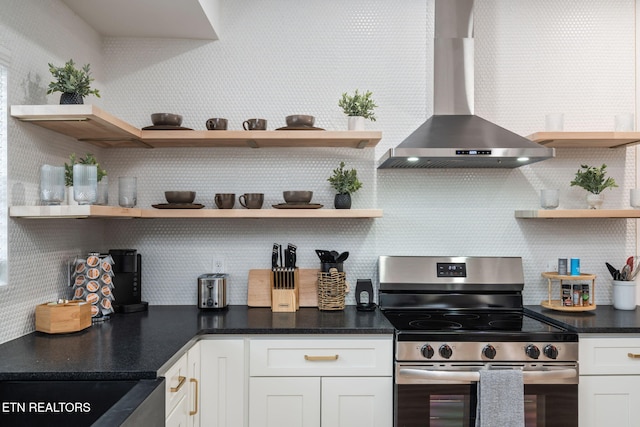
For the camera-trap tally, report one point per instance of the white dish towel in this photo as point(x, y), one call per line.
point(500, 398)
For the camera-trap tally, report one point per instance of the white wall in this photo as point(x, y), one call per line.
point(283, 57)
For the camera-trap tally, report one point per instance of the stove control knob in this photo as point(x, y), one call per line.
point(489, 351)
point(532, 351)
point(551, 351)
point(427, 351)
point(445, 351)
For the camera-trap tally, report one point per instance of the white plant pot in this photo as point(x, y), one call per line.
point(594, 201)
point(356, 123)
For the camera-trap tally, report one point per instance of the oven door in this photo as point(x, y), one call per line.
point(445, 395)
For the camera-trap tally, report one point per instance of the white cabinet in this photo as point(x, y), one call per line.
point(338, 381)
point(193, 360)
point(284, 402)
point(223, 382)
point(182, 382)
point(609, 388)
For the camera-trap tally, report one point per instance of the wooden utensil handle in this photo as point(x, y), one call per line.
point(633, 355)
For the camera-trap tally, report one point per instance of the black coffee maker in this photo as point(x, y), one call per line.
point(127, 291)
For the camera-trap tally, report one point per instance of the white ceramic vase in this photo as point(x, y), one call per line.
point(594, 201)
point(356, 123)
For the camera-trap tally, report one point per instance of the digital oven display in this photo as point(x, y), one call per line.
point(452, 269)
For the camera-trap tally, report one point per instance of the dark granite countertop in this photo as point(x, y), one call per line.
point(604, 319)
point(137, 345)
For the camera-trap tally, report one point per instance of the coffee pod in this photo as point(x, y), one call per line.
point(93, 261)
point(93, 273)
point(94, 311)
point(79, 267)
point(79, 280)
point(79, 293)
point(106, 292)
point(106, 279)
point(93, 286)
point(92, 298)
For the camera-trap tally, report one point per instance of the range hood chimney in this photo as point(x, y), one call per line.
point(454, 137)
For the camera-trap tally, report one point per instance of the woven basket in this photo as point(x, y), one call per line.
point(331, 290)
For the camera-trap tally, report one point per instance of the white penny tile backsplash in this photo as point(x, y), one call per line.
point(282, 57)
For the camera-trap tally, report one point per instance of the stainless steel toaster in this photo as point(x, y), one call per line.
point(212, 291)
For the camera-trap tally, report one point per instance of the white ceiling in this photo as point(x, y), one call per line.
point(191, 19)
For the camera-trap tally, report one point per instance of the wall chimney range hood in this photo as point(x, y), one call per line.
point(454, 137)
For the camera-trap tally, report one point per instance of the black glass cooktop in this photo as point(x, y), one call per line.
point(512, 325)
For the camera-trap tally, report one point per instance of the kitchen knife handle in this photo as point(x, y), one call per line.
point(633, 355)
point(320, 358)
point(195, 411)
point(181, 381)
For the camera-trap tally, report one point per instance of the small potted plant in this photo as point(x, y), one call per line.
point(358, 107)
point(344, 182)
point(593, 180)
point(74, 83)
point(103, 183)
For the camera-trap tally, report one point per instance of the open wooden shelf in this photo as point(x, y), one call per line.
point(90, 124)
point(77, 211)
point(95, 211)
point(585, 139)
point(577, 213)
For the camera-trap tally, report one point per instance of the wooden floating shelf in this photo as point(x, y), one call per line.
point(577, 213)
point(95, 211)
point(90, 124)
point(585, 139)
point(77, 211)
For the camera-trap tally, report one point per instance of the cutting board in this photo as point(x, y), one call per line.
point(259, 288)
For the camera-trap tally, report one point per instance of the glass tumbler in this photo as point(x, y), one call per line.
point(634, 197)
point(85, 184)
point(127, 191)
point(103, 191)
point(549, 199)
point(51, 184)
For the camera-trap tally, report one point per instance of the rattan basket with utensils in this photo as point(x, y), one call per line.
point(331, 290)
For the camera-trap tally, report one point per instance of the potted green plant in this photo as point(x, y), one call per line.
point(594, 180)
point(344, 182)
point(358, 107)
point(103, 182)
point(74, 83)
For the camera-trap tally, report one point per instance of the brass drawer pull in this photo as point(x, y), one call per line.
point(181, 381)
point(320, 358)
point(633, 355)
point(195, 411)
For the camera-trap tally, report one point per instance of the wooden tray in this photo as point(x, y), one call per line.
point(259, 288)
point(557, 305)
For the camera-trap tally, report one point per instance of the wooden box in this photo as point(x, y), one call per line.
point(63, 318)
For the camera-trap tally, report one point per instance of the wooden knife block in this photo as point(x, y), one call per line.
point(285, 290)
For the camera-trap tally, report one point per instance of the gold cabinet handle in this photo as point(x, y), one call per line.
point(633, 355)
point(195, 411)
point(181, 381)
point(320, 358)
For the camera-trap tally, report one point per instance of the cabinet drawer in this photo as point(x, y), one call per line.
point(176, 383)
point(602, 356)
point(321, 356)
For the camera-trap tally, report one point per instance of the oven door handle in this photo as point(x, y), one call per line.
point(474, 376)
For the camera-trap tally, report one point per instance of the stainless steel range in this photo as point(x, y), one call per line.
point(456, 316)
